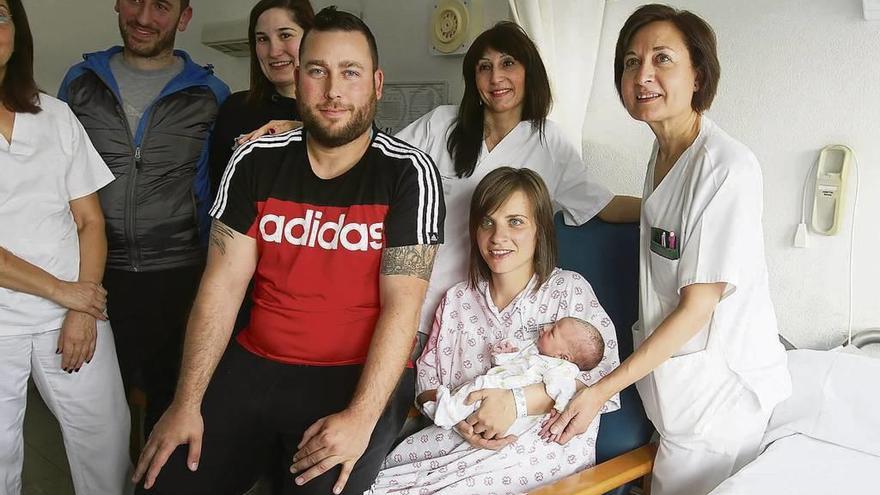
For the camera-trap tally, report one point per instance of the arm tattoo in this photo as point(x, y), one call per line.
point(219, 233)
point(415, 261)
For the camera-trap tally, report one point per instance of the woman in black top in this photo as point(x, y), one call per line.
point(274, 33)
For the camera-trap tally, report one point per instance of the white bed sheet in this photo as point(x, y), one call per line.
point(801, 465)
point(823, 440)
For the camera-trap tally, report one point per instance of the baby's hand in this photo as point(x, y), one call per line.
point(504, 347)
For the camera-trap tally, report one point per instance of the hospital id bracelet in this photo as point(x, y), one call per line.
point(519, 399)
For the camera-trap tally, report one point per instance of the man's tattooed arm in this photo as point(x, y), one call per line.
point(220, 233)
point(414, 261)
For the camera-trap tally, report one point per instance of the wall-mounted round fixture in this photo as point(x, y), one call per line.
point(449, 26)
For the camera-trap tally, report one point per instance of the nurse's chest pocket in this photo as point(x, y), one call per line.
point(665, 252)
point(664, 275)
point(664, 243)
point(663, 263)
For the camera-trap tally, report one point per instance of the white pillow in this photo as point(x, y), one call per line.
point(835, 398)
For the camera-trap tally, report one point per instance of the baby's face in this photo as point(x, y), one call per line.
point(555, 338)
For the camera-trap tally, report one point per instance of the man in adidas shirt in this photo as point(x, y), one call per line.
point(339, 224)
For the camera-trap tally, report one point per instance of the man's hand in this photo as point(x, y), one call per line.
point(77, 340)
point(496, 413)
point(86, 297)
point(466, 432)
point(340, 438)
point(179, 425)
point(576, 418)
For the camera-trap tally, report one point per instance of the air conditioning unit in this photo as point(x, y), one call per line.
point(229, 37)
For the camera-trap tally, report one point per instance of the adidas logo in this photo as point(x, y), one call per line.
point(311, 231)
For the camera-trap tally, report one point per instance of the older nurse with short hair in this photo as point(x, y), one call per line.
point(708, 363)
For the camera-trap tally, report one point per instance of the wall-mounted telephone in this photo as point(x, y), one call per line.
point(829, 177)
point(828, 196)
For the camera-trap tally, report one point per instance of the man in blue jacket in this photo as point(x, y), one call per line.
point(149, 109)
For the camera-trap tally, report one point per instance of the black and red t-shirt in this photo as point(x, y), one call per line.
point(320, 241)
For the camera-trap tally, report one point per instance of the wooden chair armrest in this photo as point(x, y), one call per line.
point(606, 476)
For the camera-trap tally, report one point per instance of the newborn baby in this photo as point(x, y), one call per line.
point(561, 351)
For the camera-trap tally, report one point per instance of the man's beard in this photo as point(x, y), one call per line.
point(148, 50)
point(361, 120)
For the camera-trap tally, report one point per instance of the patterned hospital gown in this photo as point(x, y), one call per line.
point(468, 324)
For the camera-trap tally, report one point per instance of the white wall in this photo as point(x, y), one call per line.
point(401, 30)
point(796, 75)
point(64, 29)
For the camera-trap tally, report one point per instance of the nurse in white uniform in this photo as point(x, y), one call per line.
point(502, 121)
point(709, 366)
point(52, 250)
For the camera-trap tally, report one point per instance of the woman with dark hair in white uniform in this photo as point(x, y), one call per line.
point(502, 121)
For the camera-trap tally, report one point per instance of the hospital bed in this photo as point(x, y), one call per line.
point(825, 439)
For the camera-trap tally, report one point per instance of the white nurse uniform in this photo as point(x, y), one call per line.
point(48, 163)
point(710, 402)
point(571, 186)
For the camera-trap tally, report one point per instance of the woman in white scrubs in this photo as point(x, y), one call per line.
point(52, 250)
point(709, 366)
point(502, 121)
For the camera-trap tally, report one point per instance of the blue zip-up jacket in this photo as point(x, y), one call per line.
point(156, 210)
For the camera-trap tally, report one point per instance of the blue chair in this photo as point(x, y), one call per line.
point(607, 255)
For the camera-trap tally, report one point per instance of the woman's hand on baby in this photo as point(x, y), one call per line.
point(496, 413)
point(548, 423)
point(272, 127)
point(581, 410)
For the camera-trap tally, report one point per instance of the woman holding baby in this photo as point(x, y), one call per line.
point(513, 292)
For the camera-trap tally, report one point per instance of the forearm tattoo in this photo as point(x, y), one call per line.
point(219, 234)
point(415, 261)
